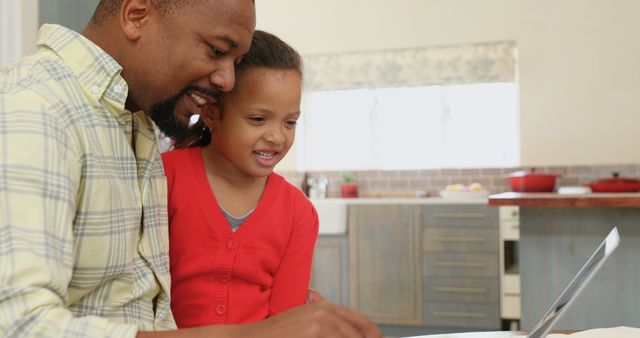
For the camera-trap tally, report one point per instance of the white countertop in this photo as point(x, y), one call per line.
point(618, 332)
point(423, 200)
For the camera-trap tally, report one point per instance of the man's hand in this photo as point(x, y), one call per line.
point(321, 319)
point(314, 296)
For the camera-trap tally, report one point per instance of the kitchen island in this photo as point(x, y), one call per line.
point(558, 233)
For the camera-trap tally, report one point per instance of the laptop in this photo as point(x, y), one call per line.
point(566, 298)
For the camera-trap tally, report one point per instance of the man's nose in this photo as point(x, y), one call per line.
point(224, 77)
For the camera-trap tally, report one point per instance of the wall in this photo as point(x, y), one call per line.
point(404, 183)
point(73, 14)
point(579, 72)
point(18, 27)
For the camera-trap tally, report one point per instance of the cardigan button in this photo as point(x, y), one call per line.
point(232, 245)
point(221, 309)
point(224, 277)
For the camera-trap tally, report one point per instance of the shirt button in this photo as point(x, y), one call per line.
point(94, 90)
point(232, 245)
point(117, 89)
point(221, 309)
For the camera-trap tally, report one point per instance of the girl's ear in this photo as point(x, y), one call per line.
point(210, 116)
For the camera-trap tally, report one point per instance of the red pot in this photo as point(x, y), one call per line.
point(532, 181)
point(615, 184)
point(349, 190)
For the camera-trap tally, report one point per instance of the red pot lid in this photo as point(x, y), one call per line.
point(530, 173)
point(616, 179)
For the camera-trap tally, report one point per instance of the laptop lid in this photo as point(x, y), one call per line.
point(593, 264)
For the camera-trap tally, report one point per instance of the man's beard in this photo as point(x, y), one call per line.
point(163, 113)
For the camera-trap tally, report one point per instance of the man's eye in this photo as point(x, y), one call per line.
point(292, 123)
point(217, 52)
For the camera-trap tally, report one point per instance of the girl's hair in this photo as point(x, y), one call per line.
point(266, 51)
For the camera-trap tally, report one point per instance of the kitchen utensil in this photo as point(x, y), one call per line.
point(574, 190)
point(532, 181)
point(318, 187)
point(615, 184)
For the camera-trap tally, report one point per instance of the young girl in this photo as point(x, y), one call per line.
point(241, 237)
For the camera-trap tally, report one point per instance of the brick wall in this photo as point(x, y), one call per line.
point(431, 181)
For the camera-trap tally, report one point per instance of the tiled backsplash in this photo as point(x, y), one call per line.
point(432, 181)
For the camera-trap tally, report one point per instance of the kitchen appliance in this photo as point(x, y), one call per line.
point(318, 187)
point(615, 184)
point(532, 181)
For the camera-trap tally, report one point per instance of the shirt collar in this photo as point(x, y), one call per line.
point(97, 72)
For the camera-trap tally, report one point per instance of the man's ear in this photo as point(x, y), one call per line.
point(133, 16)
point(210, 115)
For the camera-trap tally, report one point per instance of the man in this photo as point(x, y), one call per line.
point(83, 223)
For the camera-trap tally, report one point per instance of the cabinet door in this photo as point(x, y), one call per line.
point(385, 263)
point(330, 268)
point(461, 267)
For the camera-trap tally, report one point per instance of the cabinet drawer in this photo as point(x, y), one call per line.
point(459, 216)
point(462, 290)
point(511, 284)
point(510, 307)
point(460, 265)
point(481, 316)
point(460, 240)
point(510, 230)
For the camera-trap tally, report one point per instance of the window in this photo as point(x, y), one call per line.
point(437, 107)
point(456, 126)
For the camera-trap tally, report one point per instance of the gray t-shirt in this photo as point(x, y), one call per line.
point(234, 221)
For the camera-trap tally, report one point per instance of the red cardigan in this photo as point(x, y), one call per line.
point(218, 276)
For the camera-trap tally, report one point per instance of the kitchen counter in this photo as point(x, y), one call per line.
point(558, 233)
point(553, 200)
point(420, 200)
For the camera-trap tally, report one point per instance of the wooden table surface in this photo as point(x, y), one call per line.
point(553, 200)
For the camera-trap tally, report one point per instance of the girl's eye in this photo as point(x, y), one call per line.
point(257, 119)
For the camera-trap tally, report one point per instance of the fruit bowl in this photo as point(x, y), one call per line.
point(464, 194)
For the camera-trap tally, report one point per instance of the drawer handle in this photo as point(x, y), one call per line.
point(459, 215)
point(473, 315)
point(460, 239)
point(459, 265)
point(512, 294)
point(448, 289)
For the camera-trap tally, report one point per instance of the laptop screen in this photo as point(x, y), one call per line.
point(577, 284)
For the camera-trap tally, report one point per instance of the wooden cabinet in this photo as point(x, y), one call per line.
point(430, 265)
point(460, 244)
point(330, 274)
point(385, 263)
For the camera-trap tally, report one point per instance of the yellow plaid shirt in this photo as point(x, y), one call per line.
point(83, 220)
